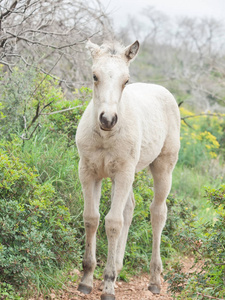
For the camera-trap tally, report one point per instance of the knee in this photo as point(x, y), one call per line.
point(113, 226)
point(158, 208)
point(91, 221)
point(158, 214)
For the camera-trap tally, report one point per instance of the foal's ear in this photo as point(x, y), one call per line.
point(131, 51)
point(93, 48)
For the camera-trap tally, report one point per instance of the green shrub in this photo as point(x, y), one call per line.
point(37, 230)
point(27, 99)
point(2, 116)
point(208, 246)
point(67, 121)
point(180, 212)
point(57, 163)
point(7, 292)
point(16, 99)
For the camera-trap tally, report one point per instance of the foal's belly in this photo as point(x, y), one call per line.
point(149, 152)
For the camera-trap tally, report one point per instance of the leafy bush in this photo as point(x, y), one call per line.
point(15, 93)
point(208, 246)
point(179, 213)
point(67, 121)
point(37, 230)
point(199, 140)
point(57, 163)
point(29, 99)
point(7, 292)
point(1, 113)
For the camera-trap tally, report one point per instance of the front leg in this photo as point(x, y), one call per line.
point(92, 192)
point(114, 222)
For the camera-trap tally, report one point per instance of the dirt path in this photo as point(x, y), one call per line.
point(135, 289)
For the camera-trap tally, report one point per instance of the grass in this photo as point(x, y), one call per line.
point(190, 183)
point(57, 163)
point(56, 160)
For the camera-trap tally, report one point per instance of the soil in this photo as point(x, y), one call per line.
point(135, 289)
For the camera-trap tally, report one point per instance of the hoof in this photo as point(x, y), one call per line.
point(85, 289)
point(108, 297)
point(155, 289)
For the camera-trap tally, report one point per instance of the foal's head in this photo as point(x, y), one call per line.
point(110, 76)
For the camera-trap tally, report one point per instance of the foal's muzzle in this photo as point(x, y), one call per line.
point(107, 122)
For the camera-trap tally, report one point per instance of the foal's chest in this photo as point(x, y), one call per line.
point(105, 156)
point(105, 163)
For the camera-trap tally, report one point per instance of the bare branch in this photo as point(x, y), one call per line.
point(187, 123)
point(35, 42)
point(202, 115)
point(9, 11)
point(37, 31)
point(24, 137)
point(60, 111)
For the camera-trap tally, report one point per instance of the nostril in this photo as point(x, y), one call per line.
point(107, 121)
point(101, 117)
point(114, 120)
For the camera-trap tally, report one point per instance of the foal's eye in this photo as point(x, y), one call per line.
point(95, 78)
point(126, 82)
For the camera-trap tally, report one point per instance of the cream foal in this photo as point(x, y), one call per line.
point(124, 129)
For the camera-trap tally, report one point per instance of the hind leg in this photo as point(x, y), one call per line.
point(161, 170)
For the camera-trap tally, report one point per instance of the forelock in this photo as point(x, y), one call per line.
point(112, 48)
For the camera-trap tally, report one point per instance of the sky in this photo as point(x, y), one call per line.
point(120, 9)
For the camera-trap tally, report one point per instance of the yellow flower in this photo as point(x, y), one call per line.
point(213, 154)
point(195, 126)
point(185, 112)
point(211, 138)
